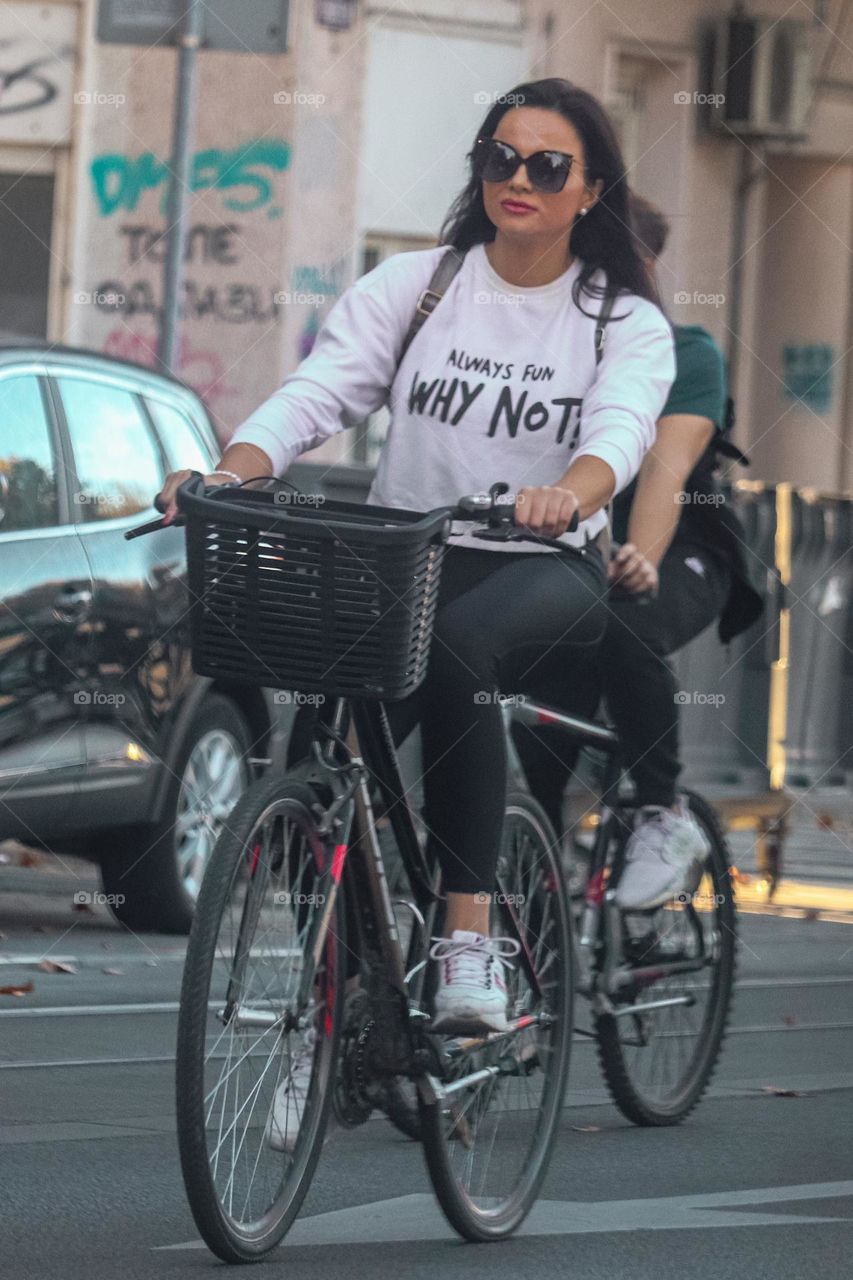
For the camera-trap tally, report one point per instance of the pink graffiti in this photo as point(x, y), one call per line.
point(204, 371)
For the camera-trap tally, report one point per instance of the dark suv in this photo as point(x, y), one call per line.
point(110, 746)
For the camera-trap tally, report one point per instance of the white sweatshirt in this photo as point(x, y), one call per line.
point(499, 384)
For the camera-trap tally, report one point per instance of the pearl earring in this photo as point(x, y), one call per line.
point(583, 211)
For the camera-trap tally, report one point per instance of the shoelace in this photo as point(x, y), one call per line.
point(463, 959)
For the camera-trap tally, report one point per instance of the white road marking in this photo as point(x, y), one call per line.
point(418, 1217)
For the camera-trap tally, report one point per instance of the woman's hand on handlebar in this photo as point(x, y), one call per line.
point(165, 499)
point(545, 510)
point(631, 571)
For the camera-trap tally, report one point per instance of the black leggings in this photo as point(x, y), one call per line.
point(498, 614)
point(631, 670)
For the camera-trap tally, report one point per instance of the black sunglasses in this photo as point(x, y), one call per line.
point(496, 161)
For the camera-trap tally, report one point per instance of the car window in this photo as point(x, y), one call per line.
point(28, 496)
point(179, 437)
point(118, 464)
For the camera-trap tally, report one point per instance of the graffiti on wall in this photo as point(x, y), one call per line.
point(226, 281)
point(244, 175)
point(807, 374)
point(234, 302)
point(37, 56)
point(202, 369)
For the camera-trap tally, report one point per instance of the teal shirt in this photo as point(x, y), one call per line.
point(699, 388)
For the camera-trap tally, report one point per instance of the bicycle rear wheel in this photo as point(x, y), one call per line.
point(255, 1055)
point(487, 1143)
point(658, 1064)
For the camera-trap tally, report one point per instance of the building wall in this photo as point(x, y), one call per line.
point(273, 156)
point(359, 136)
point(795, 255)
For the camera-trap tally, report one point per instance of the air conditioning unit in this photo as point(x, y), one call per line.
point(761, 77)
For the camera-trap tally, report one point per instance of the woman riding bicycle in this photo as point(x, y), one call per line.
point(502, 383)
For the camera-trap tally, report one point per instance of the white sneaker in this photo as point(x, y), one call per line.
point(471, 996)
point(664, 852)
point(288, 1104)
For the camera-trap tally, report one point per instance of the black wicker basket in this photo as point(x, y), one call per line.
point(337, 598)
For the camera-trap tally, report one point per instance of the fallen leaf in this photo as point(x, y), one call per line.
point(117, 973)
point(789, 1020)
point(22, 989)
point(587, 1128)
point(811, 913)
point(776, 1091)
point(56, 966)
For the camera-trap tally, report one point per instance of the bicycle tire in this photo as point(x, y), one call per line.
point(226, 1238)
point(634, 1105)
point(441, 1126)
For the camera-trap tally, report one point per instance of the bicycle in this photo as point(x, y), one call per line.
point(340, 601)
point(657, 1049)
point(687, 944)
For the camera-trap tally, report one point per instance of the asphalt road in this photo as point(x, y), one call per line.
point(755, 1183)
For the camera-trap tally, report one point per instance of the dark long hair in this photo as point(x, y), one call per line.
point(602, 239)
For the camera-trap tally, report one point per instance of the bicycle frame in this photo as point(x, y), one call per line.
point(349, 827)
point(597, 947)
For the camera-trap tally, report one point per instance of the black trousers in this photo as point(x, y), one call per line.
point(498, 612)
point(631, 672)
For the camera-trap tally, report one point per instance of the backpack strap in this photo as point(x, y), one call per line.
point(605, 536)
point(603, 317)
point(448, 265)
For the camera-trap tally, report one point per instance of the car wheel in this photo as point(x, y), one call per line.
point(152, 874)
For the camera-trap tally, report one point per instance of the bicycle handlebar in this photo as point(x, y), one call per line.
point(490, 508)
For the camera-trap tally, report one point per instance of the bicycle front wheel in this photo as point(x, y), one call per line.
point(259, 1023)
point(488, 1140)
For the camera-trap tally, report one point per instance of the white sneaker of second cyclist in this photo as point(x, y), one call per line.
point(471, 996)
point(288, 1104)
point(663, 854)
